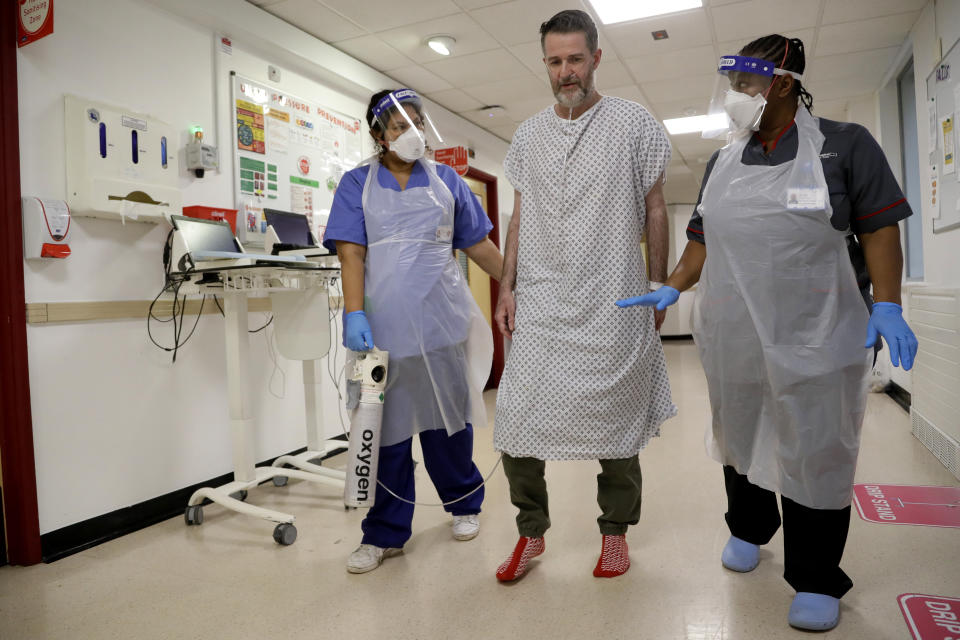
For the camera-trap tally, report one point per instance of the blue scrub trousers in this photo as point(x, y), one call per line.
point(449, 463)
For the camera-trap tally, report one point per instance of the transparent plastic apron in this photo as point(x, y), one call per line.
point(421, 310)
point(779, 322)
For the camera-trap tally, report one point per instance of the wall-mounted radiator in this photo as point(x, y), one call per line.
point(935, 401)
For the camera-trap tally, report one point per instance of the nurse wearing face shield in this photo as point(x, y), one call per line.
point(395, 223)
point(797, 218)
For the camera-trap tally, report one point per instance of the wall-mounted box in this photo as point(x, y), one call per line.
point(121, 165)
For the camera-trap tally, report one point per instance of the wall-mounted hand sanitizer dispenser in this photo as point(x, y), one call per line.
point(46, 228)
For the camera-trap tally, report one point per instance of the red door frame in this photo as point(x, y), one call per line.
point(493, 212)
point(16, 426)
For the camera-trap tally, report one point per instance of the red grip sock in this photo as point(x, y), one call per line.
point(614, 557)
point(516, 565)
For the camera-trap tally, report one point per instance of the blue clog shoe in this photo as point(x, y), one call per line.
point(814, 611)
point(740, 555)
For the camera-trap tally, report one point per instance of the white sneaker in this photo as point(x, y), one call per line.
point(368, 557)
point(466, 527)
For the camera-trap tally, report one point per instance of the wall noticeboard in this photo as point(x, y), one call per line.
point(290, 155)
point(943, 109)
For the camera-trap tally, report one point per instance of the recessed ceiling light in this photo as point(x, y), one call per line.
point(696, 124)
point(441, 44)
point(612, 11)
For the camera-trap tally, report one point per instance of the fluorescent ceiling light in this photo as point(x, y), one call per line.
point(696, 124)
point(441, 44)
point(611, 11)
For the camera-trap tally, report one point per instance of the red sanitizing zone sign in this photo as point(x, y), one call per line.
point(931, 617)
point(904, 504)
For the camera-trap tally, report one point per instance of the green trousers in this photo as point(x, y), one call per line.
point(619, 485)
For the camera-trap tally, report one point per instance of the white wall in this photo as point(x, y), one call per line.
point(938, 23)
point(115, 423)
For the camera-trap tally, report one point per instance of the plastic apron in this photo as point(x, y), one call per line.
point(421, 310)
point(780, 323)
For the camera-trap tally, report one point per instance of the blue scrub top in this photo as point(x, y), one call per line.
point(346, 222)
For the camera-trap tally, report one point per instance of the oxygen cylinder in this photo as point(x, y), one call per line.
point(368, 370)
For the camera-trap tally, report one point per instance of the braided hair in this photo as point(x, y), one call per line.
point(787, 54)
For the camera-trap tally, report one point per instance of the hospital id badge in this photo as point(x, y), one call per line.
point(806, 199)
point(445, 233)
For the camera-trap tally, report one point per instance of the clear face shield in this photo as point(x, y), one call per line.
point(404, 126)
point(740, 94)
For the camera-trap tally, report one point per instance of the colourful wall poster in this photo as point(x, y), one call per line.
point(302, 149)
point(250, 127)
point(904, 504)
point(930, 617)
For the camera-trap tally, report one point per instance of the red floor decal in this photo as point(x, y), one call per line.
point(903, 504)
point(931, 617)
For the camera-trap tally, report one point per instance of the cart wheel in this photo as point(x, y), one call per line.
point(193, 514)
point(239, 495)
point(285, 534)
point(280, 481)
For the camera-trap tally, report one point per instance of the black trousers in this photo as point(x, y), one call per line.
point(813, 539)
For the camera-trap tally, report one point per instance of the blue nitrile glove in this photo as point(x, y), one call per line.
point(357, 335)
point(887, 321)
point(662, 298)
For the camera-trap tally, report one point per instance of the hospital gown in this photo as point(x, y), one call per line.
point(585, 379)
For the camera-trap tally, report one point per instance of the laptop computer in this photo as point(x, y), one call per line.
point(211, 241)
point(293, 233)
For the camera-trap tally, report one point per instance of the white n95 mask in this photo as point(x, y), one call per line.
point(409, 146)
point(744, 112)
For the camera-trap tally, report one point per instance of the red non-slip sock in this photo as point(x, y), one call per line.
point(614, 557)
point(516, 565)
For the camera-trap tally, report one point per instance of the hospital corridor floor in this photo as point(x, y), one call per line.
point(228, 579)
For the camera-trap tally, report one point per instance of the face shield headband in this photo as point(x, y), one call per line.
point(741, 111)
point(393, 101)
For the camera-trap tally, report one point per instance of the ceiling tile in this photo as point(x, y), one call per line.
point(377, 15)
point(673, 64)
point(511, 89)
point(518, 21)
point(692, 86)
point(476, 4)
point(629, 92)
point(375, 52)
point(315, 19)
point(455, 100)
point(419, 79)
point(478, 68)
point(853, 10)
point(685, 30)
point(612, 73)
point(520, 110)
point(837, 88)
point(695, 106)
point(863, 35)
point(870, 64)
point(481, 118)
point(410, 39)
point(807, 36)
point(505, 132)
point(742, 20)
point(531, 55)
point(694, 147)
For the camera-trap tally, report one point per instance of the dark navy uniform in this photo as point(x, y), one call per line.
point(863, 192)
